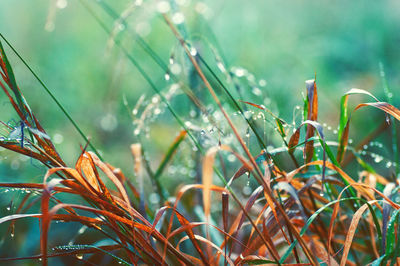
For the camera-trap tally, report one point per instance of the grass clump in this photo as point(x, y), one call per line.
point(303, 203)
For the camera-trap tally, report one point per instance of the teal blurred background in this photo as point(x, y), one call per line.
point(280, 45)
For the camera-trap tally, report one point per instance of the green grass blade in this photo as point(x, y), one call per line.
point(84, 247)
point(64, 111)
point(390, 235)
point(389, 98)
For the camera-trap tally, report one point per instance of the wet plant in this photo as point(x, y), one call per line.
point(258, 190)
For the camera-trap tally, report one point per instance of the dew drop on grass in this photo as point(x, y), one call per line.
point(192, 113)
point(82, 229)
point(143, 29)
point(176, 69)
point(108, 122)
point(163, 7)
point(15, 164)
point(167, 77)
point(248, 133)
point(178, 18)
point(246, 190)
point(221, 67)
point(193, 51)
point(262, 82)
point(378, 158)
point(61, 4)
point(192, 173)
point(256, 91)
point(12, 234)
point(154, 198)
point(388, 164)
point(387, 119)
point(58, 138)
point(157, 111)
point(231, 158)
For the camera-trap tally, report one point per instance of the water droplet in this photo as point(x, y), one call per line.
point(246, 190)
point(176, 69)
point(201, 8)
point(163, 7)
point(61, 4)
point(8, 208)
point(378, 159)
point(192, 173)
point(321, 193)
point(231, 158)
point(257, 91)
point(49, 26)
point(202, 132)
point(82, 229)
point(239, 72)
point(157, 111)
point(172, 169)
point(388, 164)
point(365, 147)
point(58, 138)
point(247, 133)
point(154, 198)
point(121, 27)
point(12, 234)
point(221, 67)
point(193, 51)
point(108, 122)
point(178, 18)
point(192, 113)
point(79, 256)
point(143, 29)
point(167, 76)
point(387, 119)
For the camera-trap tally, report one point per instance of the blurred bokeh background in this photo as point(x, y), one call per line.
point(273, 46)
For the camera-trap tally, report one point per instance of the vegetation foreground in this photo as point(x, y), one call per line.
point(305, 210)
